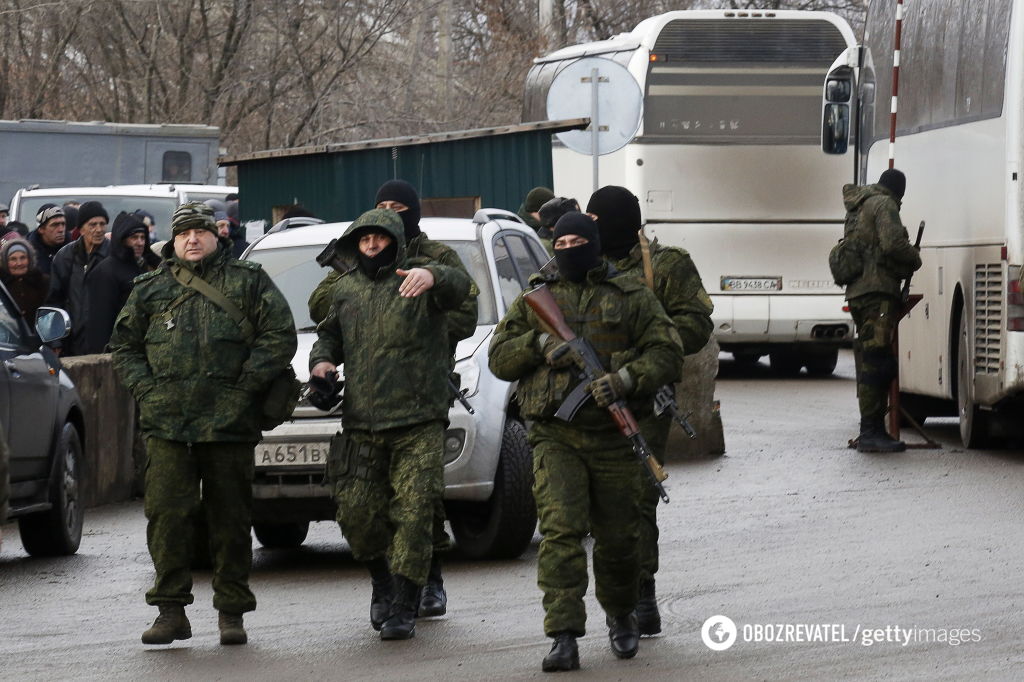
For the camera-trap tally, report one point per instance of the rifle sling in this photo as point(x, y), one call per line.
point(187, 278)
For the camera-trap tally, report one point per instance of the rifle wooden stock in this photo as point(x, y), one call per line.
point(543, 304)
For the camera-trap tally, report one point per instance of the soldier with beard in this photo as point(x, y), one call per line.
point(586, 476)
point(387, 321)
point(674, 279)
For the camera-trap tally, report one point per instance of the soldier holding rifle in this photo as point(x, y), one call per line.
point(587, 477)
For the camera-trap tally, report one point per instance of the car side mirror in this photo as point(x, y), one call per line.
point(52, 324)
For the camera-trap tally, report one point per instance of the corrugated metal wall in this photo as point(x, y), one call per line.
point(500, 169)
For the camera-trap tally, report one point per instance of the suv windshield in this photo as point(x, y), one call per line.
point(161, 208)
point(296, 273)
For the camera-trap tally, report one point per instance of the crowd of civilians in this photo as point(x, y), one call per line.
point(72, 260)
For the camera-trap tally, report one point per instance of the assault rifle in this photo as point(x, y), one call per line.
point(544, 305)
point(665, 401)
point(905, 294)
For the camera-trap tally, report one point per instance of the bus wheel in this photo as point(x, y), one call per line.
point(974, 423)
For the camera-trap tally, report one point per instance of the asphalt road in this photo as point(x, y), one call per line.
point(791, 535)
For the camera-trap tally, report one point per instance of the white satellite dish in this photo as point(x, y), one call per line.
point(603, 91)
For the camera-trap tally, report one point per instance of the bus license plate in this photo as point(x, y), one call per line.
point(751, 283)
point(291, 454)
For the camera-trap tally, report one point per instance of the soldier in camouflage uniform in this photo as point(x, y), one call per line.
point(586, 477)
point(676, 282)
point(873, 222)
point(388, 323)
point(199, 382)
point(401, 197)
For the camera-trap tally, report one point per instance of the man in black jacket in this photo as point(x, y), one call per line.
point(110, 282)
point(72, 266)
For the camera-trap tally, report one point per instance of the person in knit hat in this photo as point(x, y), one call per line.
point(71, 269)
point(49, 235)
point(529, 210)
point(200, 380)
point(22, 277)
point(111, 280)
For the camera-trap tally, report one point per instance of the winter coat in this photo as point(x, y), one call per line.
point(30, 290)
point(196, 377)
point(44, 253)
point(873, 222)
point(110, 283)
point(395, 349)
point(461, 321)
point(623, 321)
point(679, 289)
point(69, 273)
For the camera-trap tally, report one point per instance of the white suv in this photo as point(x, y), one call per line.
point(487, 462)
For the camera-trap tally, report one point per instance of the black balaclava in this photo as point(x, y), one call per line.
point(576, 262)
point(618, 219)
point(402, 192)
point(372, 265)
point(894, 181)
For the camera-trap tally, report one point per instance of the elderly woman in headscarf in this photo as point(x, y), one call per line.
point(19, 272)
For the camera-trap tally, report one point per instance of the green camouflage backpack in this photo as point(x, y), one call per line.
point(846, 261)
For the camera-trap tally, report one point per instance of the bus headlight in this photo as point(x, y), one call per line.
point(469, 376)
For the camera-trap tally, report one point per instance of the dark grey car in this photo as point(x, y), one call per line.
point(41, 416)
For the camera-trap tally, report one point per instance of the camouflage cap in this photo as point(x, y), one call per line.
point(194, 215)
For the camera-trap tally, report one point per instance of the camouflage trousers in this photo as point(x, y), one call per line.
point(875, 318)
point(387, 485)
point(172, 502)
point(655, 430)
point(584, 481)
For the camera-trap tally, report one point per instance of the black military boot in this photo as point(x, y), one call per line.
point(171, 624)
point(380, 600)
point(232, 629)
point(564, 654)
point(401, 620)
point(647, 615)
point(624, 634)
point(434, 600)
point(873, 437)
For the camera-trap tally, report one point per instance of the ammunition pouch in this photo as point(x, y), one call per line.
point(349, 459)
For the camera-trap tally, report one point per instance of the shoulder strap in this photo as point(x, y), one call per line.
point(191, 280)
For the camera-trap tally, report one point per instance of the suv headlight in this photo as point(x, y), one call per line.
point(469, 375)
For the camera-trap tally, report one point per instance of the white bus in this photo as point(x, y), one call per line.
point(960, 116)
point(727, 164)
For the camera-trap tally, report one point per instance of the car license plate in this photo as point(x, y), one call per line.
point(291, 454)
point(751, 283)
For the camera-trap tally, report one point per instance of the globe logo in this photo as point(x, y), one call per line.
point(718, 633)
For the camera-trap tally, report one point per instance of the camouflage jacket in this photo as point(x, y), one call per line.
point(394, 349)
point(196, 377)
point(420, 251)
point(620, 317)
point(679, 289)
point(873, 219)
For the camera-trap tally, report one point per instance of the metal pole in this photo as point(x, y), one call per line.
point(895, 82)
point(594, 122)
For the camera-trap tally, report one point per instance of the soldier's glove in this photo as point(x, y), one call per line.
point(557, 353)
point(611, 387)
point(324, 392)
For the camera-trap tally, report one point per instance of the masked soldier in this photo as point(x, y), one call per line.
point(387, 321)
point(401, 197)
point(199, 380)
point(873, 223)
point(674, 279)
point(586, 477)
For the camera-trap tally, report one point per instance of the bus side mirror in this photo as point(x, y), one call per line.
point(835, 129)
point(838, 90)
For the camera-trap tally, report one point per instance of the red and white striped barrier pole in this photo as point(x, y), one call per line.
point(895, 82)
